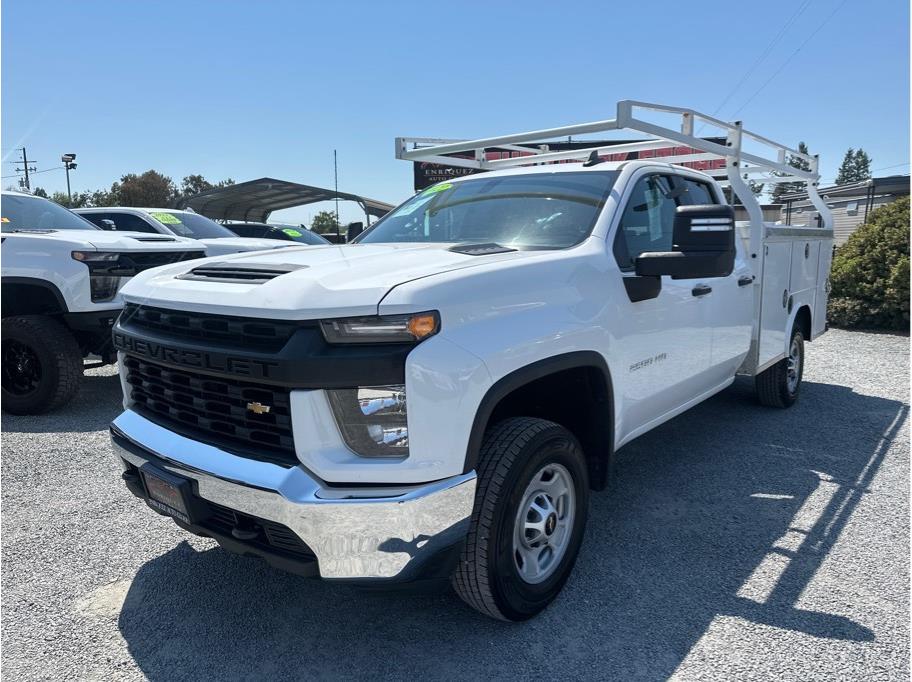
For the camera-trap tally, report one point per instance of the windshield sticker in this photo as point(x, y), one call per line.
point(415, 205)
point(166, 218)
point(292, 232)
point(442, 187)
point(4, 220)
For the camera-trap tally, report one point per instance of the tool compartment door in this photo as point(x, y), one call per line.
point(777, 265)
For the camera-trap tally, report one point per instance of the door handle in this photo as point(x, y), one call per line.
point(701, 290)
point(744, 281)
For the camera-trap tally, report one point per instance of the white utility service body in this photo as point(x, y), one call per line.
point(561, 345)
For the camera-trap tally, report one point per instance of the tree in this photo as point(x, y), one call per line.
point(151, 189)
point(856, 166)
point(79, 199)
point(194, 184)
point(325, 222)
point(755, 187)
point(781, 188)
point(870, 273)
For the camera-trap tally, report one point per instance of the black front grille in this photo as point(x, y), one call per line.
point(152, 259)
point(238, 332)
point(220, 411)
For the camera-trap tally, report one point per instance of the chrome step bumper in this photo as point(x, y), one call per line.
point(385, 533)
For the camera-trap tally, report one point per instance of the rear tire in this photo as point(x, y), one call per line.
point(527, 525)
point(41, 364)
point(779, 385)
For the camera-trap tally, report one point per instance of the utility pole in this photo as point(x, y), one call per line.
point(336, 179)
point(68, 160)
point(26, 168)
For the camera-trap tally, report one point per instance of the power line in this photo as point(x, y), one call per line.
point(791, 56)
point(769, 47)
point(897, 165)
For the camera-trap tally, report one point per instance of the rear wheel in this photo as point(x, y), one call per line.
point(779, 385)
point(527, 525)
point(41, 364)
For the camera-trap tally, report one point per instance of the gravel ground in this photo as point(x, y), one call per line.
point(734, 541)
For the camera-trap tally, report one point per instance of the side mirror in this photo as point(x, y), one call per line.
point(107, 224)
point(703, 245)
point(354, 229)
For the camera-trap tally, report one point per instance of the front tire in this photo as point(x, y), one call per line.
point(41, 364)
point(779, 385)
point(531, 504)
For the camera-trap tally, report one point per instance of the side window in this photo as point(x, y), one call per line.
point(127, 222)
point(696, 192)
point(96, 218)
point(647, 223)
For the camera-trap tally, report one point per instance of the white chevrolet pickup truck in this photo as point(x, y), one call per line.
point(61, 292)
point(438, 399)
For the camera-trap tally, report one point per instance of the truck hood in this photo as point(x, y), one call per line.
point(316, 281)
point(221, 246)
point(110, 241)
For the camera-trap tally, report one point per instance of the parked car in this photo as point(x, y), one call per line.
point(285, 232)
point(61, 286)
point(438, 399)
point(217, 239)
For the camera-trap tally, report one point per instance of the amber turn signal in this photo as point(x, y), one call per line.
point(422, 325)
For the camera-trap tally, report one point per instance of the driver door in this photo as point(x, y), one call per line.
point(664, 342)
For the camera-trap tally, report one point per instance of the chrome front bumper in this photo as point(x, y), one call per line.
point(356, 533)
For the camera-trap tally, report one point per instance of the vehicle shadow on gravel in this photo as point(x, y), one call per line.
point(728, 510)
point(94, 407)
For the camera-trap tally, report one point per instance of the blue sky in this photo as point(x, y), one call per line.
point(243, 89)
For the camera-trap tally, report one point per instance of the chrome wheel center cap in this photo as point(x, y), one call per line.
point(551, 524)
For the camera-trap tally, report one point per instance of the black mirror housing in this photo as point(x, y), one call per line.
point(703, 245)
point(107, 224)
point(354, 229)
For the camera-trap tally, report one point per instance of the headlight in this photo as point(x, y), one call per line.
point(373, 419)
point(106, 272)
point(382, 328)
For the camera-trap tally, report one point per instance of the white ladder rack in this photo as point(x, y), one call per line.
point(738, 163)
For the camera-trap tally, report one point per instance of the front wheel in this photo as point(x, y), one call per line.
point(527, 525)
point(779, 385)
point(41, 364)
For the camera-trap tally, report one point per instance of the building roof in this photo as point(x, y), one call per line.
point(255, 200)
point(890, 184)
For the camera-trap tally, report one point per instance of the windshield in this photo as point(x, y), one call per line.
point(541, 210)
point(34, 213)
point(191, 225)
point(300, 235)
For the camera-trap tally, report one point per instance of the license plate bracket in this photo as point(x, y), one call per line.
point(168, 493)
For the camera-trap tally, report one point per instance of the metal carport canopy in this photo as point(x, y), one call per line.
point(255, 200)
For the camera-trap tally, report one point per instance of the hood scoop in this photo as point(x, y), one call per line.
point(238, 273)
point(155, 239)
point(480, 249)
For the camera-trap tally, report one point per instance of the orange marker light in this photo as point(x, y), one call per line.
point(421, 326)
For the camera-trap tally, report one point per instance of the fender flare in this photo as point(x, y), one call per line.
point(44, 284)
point(527, 374)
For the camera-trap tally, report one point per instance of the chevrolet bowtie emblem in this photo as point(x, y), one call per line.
point(258, 408)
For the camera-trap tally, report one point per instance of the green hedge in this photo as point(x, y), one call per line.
point(870, 274)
